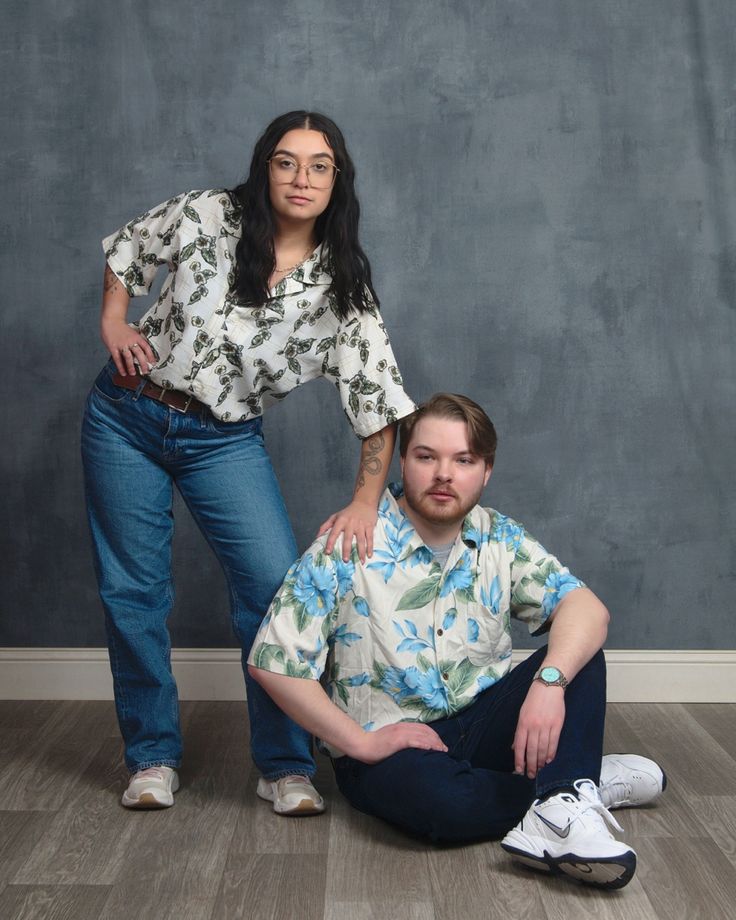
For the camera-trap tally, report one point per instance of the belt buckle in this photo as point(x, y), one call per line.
point(164, 393)
point(186, 405)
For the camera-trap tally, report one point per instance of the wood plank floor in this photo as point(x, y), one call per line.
point(69, 850)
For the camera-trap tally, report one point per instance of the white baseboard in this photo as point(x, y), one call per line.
point(634, 676)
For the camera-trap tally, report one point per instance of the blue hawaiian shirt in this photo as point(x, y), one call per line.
point(400, 638)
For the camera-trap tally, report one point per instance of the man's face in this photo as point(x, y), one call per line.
point(443, 478)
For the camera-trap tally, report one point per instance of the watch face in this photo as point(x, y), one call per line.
point(549, 675)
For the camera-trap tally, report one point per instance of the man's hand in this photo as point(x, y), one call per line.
point(378, 745)
point(357, 521)
point(538, 729)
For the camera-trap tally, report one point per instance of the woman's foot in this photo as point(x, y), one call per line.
point(153, 787)
point(291, 795)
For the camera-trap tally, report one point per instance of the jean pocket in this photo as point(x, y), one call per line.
point(104, 387)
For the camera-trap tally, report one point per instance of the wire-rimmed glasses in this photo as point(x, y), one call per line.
point(285, 169)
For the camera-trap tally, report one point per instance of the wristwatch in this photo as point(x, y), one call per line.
point(551, 677)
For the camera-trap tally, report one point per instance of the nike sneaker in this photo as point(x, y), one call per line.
point(568, 834)
point(628, 780)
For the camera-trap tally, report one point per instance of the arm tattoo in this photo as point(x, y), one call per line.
point(371, 462)
point(111, 282)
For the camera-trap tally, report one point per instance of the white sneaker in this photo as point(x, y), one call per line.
point(151, 788)
point(291, 795)
point(628, 780)
point(567, 834)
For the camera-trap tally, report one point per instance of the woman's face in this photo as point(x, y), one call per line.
point(301, 162)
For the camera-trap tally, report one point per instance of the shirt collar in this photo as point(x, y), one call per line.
point(315, 268)
point(310, 273)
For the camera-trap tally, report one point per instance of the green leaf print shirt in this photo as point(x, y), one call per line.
point(240, 360)
point(399, 638)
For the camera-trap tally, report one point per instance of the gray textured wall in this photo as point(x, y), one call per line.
point(549, 201)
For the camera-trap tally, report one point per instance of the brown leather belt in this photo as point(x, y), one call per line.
point(175, 399)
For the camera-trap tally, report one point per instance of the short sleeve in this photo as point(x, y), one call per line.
point(136, 251)
point(364, 368)
point(293, 638)
point(539, 581)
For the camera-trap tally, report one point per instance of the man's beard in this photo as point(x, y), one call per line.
point(452, 512)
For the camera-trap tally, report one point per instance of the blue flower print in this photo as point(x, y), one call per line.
point(471, 534)
point(507, 531)
point(398, 532)
point(473, 630)
point(343, 637)
point(557, 585)
point(357, 680)
point(410, 640)
point(422, 555)
point(345, 572)
point(492, 597)
point(310, 658)
point(360, 605)
point(398, 538)
point(460, 576)
point(449, 620)
point(384, 511)
point(394, 684)
point(484, 682)
point(385, 563)
point(427, 686)
point(315, 587)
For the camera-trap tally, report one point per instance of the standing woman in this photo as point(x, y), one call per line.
point(267, 287)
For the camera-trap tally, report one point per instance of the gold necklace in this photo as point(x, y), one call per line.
point(283, 271)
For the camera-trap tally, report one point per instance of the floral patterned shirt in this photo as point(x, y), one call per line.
point(400, 638)
point(240, 360)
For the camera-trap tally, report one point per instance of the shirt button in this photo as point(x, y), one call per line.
point(439, 632)
point(445, 675)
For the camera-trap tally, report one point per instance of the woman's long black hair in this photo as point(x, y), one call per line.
point(336, 227)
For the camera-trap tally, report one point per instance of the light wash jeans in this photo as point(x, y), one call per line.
point(134, 449)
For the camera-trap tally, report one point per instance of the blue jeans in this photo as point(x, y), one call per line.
point(471, 792)
point(134, 449)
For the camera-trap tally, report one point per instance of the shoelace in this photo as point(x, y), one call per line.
point(593, 803)
point(619, 791)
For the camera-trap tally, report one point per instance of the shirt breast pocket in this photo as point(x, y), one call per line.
point(486, 639)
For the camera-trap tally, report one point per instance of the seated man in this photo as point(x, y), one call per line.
point(427, 725)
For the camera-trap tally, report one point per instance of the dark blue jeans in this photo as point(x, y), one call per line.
point(471, 792)
point(134, 451)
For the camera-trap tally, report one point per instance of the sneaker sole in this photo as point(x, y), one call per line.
point(303, 809)
point(146, 800)
point(604, 872)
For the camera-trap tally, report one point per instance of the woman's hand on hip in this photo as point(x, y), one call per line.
point(126, 346)
point(356, 522)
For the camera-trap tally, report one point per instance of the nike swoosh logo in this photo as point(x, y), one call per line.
point(553, 827)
